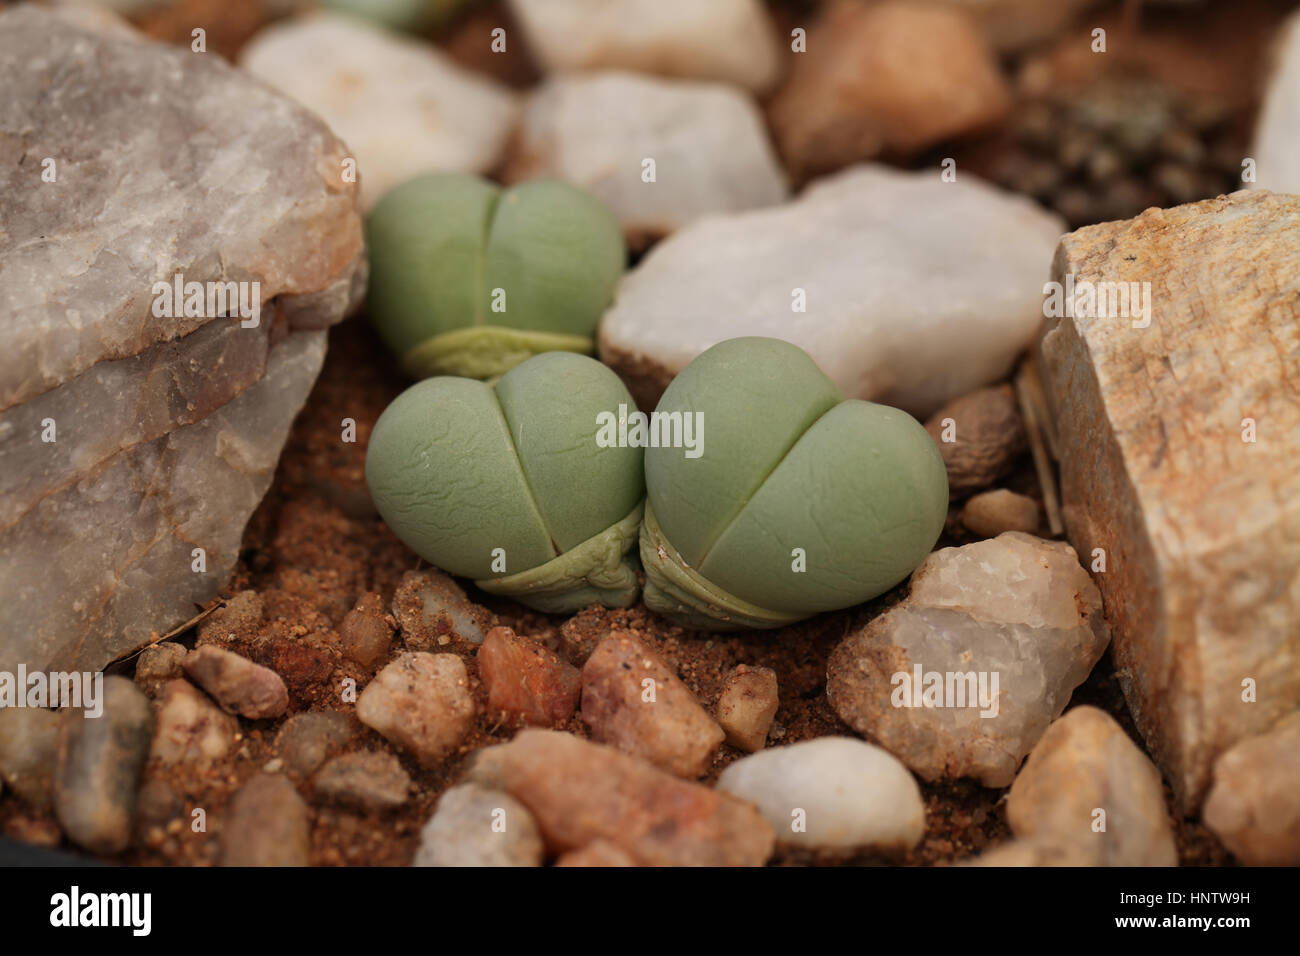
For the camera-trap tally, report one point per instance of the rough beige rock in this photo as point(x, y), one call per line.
point(525, 680)
point(168, 426)
point(580, 792)
point(991, 513)
point(634, 701)
point(422, 703)
point(236, 683)
point(402, 106)
point(1254, 804)
point(963, 677)
point(707, 140)
point(987, 433)
point(888, 78)
point(728, 40)
point(1200, 528)
point(1088, 787)
point(190, 728)
point(747, 706)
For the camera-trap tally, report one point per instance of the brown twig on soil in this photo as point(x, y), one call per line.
point(1033, 409)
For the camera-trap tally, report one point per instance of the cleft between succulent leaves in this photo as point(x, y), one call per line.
point(486, 351)
point(678, 592)
point(598, 571)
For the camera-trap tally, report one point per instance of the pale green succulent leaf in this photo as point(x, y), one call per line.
point(443, 473)
point(863, 494)
point(756, 397)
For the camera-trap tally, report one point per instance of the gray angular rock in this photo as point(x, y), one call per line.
point(892, 282)
point(266, 824)
point(1254, 803)
point(1088, 787)
point(370, 780)
point(831, 793)
point(403, 106)
point(238, 685)
point(29, 739)
point(166, 427)
point(707, 140)
point(963, 677)
point(477, 826)
point(100, 760)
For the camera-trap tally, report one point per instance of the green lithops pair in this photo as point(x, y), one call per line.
point(470, 279)
point(788, 501)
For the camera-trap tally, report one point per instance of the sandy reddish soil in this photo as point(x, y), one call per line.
point(315, 544)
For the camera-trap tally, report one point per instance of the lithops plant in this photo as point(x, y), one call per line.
point(798, 501)
point(506, 484)
point(469, 279)
point(411, 15)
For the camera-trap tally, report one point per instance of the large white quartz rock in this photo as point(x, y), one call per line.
point(130, 437)
point(1276, 150)
point(404, 107)
point(914, 290)
point(707, 141)
point(963, 677)
point(730, 40)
